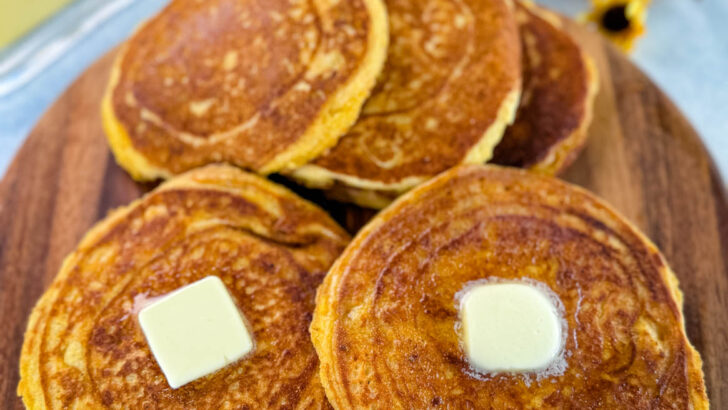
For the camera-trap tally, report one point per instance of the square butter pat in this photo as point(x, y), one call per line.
point(195, 331)
point(510, 327)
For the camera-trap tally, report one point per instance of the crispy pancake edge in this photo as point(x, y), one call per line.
point(563, 153)
point(29, 386)
point(314, 176)
point(324, 318)
point(336, 116)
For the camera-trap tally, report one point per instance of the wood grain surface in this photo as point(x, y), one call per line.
point(642, 156)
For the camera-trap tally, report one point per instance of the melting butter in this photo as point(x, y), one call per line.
point(195, 330)
point(510, 327)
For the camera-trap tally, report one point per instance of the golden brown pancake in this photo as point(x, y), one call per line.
point(449, 88)
point(84, 347)
point(386, 314)
point(559, 84)
point(262, 84)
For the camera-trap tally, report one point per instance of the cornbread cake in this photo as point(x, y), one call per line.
point(449, 88)
point(84, 347)
point(386, 324)
point(559, 85)
point(262, 84)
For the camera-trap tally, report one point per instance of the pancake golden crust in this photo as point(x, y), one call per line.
point(385, 319)
point(263, 84)
point(559, 85)
point(83, 347)
point(449, 87)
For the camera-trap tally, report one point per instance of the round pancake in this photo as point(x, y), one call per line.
point(559, 85)
point(83, 345)
point(449, 88)
point(386, 314)
point(262, 84)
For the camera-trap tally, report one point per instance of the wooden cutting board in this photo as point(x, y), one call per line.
point(642, 156)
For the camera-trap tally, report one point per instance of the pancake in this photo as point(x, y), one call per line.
point(386, 315)
point(84, 347)
point(559, 84)
point(262, 84)
point(449, 88)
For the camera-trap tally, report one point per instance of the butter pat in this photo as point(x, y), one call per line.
point(195, 331)
point(510, 327)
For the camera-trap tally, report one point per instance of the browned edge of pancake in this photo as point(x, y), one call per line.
point(547, 136)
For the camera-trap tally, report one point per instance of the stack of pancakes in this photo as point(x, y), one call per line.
point(366, 100)
point(345, 96)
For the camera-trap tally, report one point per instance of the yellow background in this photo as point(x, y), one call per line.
point(17, 17)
